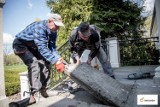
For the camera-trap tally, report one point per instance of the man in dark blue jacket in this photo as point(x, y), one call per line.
point(84, 37)
point(36, 46)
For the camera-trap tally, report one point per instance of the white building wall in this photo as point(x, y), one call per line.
point(157, 17)
point(3, 98)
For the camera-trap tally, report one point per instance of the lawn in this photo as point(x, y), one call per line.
point(12, 78)
point(16, 68)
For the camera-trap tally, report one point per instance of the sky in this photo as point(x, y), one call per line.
point(149, 4)
point(17, 14)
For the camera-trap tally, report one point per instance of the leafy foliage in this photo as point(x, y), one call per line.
point(12, 79)
point(141, 53)
point(12, 88)
point(116, 18)
point(72, 12)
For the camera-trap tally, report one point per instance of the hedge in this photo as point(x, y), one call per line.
point(12, 88)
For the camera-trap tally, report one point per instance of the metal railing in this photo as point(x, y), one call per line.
point(55, 75)
point(140, 51)
point(129, 50)
point(64, 52)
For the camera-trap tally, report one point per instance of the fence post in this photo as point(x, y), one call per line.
point(24, 82)
point(113, 52)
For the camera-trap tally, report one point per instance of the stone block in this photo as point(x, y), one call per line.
point(103, 87)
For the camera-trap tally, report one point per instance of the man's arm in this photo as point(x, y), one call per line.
point(41, 42)
point(73, 49)
point(96, 45)
point(72, 40)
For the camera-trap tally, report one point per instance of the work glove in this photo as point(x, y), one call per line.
point(60, 65)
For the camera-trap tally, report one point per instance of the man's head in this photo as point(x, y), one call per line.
point(84, 31)
point(54, 22)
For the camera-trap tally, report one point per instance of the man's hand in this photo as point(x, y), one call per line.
point(60, 65)
point(88, 62)
point(77, 59)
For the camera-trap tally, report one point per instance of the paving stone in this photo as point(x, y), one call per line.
point(157, 79)
point(57, 101)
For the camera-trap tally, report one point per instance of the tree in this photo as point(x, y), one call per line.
point(6, 51)
point(72, 12)
point(9, 57)
point(116, 18)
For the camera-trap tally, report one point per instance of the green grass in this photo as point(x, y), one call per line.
point(12, 78)
point(15, 68)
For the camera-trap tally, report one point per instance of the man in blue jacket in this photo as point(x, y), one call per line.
point(36, 46)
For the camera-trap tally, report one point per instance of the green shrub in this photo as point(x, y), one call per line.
point(138, 53)
point(12, 88)
point(12, 78)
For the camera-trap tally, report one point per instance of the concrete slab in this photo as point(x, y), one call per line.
point(103, 87)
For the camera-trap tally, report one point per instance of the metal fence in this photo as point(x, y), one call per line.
point(55, 75)
point(64, 52)
point(139, 51)
point(132, 52)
